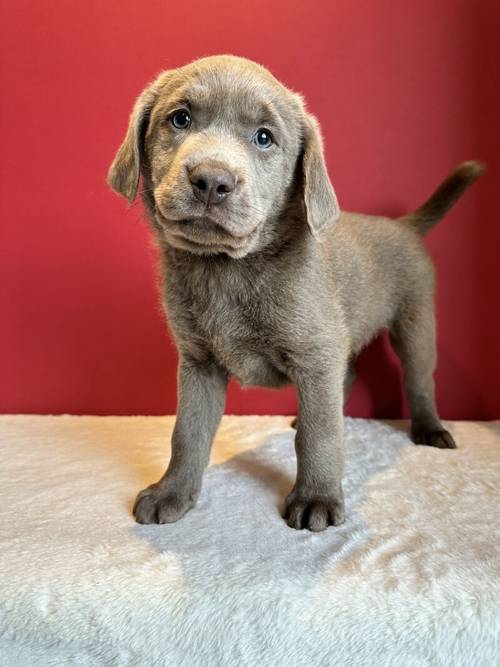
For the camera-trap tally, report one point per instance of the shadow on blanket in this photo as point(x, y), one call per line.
point(236, 525)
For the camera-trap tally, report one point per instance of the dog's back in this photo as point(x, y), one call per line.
point(378, 265)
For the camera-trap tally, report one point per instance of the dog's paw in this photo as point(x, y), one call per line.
point(315, 513)
point(436, 437)
point(157, 505)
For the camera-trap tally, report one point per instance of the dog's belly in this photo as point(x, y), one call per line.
point(251, 367)
point(257, 371)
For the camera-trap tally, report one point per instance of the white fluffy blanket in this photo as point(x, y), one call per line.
point(412, 578)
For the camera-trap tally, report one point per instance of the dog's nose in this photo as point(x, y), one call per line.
point(211, 184)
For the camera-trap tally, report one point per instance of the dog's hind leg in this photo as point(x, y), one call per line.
point(413, 336)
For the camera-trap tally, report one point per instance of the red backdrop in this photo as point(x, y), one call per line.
point(404, 91)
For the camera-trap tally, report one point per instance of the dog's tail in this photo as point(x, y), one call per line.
point(450, 190)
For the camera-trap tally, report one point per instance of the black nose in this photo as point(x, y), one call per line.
point(211, 184)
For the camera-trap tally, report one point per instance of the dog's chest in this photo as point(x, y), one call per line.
point(240, 331)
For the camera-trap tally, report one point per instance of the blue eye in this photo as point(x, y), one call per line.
point(263, 139)
point(181, 119)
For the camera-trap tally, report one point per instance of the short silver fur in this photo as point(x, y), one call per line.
point(273, 285)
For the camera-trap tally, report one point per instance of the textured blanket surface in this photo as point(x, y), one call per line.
point(411, 579)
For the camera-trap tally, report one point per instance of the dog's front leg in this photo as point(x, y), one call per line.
point(316, 500)
point(202, 393)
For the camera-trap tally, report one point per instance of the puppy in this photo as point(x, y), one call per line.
point(265, 280)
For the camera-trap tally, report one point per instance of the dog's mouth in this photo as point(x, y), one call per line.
point(202, 235)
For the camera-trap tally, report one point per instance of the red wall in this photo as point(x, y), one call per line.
point(404, 91)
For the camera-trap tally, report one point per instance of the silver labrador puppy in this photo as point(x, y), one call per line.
point(265, 280)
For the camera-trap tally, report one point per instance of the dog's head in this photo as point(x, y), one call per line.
point(222, 146)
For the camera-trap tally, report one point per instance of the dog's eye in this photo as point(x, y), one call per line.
point(263, 138)
point(180, 119)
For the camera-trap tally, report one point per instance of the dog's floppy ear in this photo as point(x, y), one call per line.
point(320, 201)
point(123, 175)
